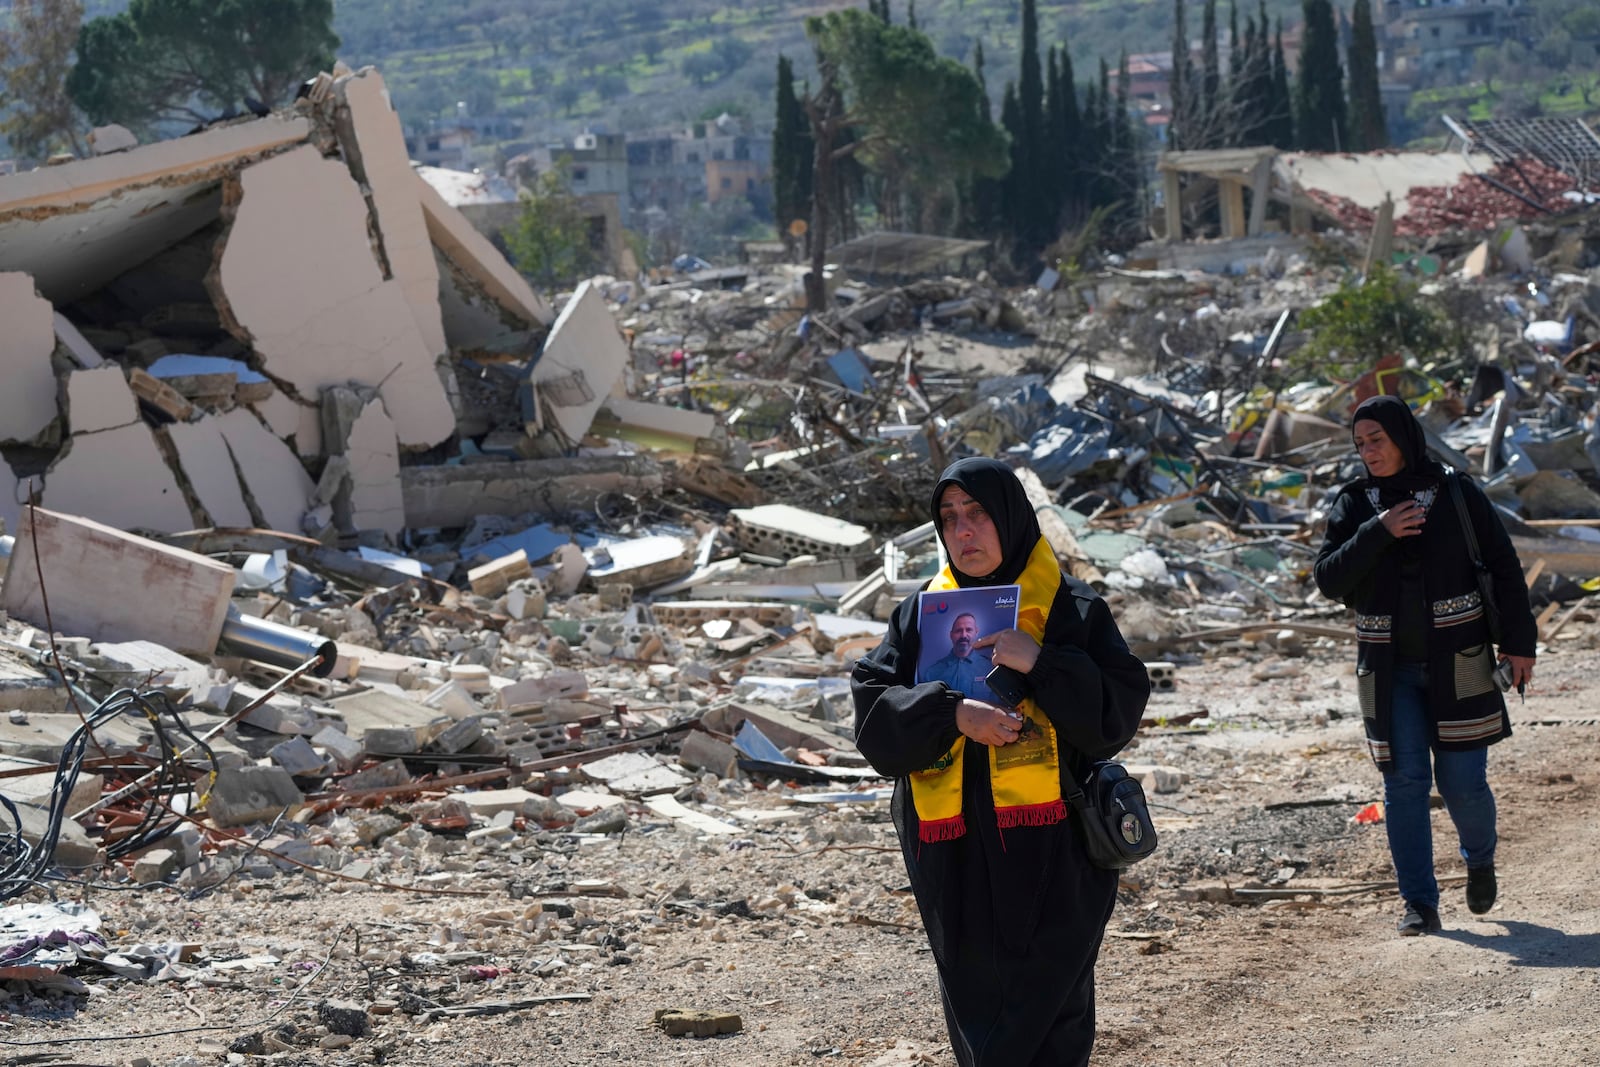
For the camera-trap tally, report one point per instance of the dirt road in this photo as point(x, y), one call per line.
point(801, 925)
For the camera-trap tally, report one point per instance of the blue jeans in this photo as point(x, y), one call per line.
point(1463, 783)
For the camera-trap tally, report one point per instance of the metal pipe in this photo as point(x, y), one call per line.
point(275, 644)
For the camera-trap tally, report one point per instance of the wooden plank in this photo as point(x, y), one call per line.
point(1560, 522)
point(1566, 617)
point(1534, 572)
point(1544, 617)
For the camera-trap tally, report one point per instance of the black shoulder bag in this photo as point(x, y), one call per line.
point(1115, 818)
point(1480, 570)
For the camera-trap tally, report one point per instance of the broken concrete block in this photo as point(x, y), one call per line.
point(458, 735)
point(28, 402)
point(117, 477)
point(273, 475)
point(374, 145)
point(103, 582)
point(525, 599)
point(376, 502)
point(208, 465)
point(582, 359)
point(251, 794)
point(156, 865)
point(299, 281)
point(485, 804)
point(491, 579)
point(99, 399)
point(785, 532)
point(78, 347)
point(702, 752)
point(471, 677)
point(397, 740)
point(557, 685)
point(346, 751)
point(383, 775)
point(298, 757)
point(571, 567)
point(453, 699)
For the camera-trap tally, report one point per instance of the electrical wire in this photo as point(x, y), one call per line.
point(23, 864)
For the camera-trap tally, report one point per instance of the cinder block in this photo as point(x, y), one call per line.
point(1163, 675)
point(154, 866)
point(492, 579)
point(458, 735)
point(298, 757)
point(251, 794)
point(784, 532)
point(346, 751)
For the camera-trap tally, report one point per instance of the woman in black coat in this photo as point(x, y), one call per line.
point(1013, 910)
point(1396, 553)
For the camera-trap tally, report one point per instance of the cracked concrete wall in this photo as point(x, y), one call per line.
point(99, 399)
point(300, 283)
point(369, 132)
point(117, 477)
point(276, 484)
point(208, 465)
point(376, 502)
point(27, 339)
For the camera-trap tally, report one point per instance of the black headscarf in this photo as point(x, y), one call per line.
point(993, 485)
point(1420, 472)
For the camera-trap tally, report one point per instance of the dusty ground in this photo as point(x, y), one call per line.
point(801, 926)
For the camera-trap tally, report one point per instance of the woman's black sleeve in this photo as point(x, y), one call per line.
point(1350, 551)
point(1093, 689)
point(1519, 633)
point(901, 727)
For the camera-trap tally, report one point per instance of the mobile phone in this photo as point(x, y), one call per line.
point(1503, 674)
point(1010, 686)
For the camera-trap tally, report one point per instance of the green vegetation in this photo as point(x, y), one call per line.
point(550, 241)
point(1365, 320)
point(169, 59)
point(35, 55)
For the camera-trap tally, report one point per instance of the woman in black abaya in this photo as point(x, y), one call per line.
point(1013, 909)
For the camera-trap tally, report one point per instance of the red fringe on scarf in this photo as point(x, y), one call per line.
point(942, 829)
point(1031, 815)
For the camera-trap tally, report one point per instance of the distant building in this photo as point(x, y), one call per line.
point(448, 147)
point(700, 165)
point(1425, 36)
point(597, 167)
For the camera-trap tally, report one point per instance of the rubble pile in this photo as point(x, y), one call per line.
point(343, 558)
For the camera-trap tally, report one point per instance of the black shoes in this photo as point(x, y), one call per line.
point(1481, 889)
point(1419, 919)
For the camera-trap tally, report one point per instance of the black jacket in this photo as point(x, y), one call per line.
point(1359, 564)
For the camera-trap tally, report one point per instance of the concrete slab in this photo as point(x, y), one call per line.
point(273, 476)
point(375, 147)
point(784, 531)
point(299, 280)
point(251, 794)
point(376, 502)
point(83, 353)
point(103, 582)
point(455, 496)
point(28, 402)
point(495, 282)
point(99, 399)
point(117, 477)
point(26, 689)
point(208, 465)
point(78, 226)
point(582, 359)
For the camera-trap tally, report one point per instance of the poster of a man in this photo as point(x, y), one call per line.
point(948, 654)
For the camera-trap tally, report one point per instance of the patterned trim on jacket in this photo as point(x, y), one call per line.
point(1453, 611)
point(1374, 628)
point(1465, 731)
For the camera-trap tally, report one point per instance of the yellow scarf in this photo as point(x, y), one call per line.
point(1026, 774)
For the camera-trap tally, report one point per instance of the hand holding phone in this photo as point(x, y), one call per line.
point(1009, 686)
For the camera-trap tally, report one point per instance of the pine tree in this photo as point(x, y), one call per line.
point(1319, 84)
point(35, 57)
point(1367, 126)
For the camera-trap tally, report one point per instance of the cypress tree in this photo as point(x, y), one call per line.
point(1184, 91)
point(983, 83)
point(1065, 129)
point(1030, 98)
point(1282, 122)
point(792, 149)
point(1011, 206)
point(1319, 84)
point(1211, 104)
point(1368, 130)
point(1235, 59)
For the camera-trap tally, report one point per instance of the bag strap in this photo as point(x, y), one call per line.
point(1453, 480)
